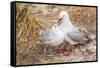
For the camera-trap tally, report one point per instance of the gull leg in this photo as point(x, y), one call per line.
point(67, 49)
point(61, 48)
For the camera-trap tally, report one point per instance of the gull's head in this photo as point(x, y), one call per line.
point(64, 14)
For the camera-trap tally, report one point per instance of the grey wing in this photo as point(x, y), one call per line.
point(77, 36)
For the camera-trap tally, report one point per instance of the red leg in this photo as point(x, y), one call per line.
point(66, 49)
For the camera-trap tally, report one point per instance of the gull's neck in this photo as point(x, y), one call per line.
point(67, 21)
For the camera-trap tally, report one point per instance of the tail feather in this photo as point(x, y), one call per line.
point(89, 38)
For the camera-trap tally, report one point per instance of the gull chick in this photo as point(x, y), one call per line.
point(51, 37)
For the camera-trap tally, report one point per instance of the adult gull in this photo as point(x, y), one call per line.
point(71, 33)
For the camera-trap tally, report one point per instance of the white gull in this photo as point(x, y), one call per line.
point(71, 33)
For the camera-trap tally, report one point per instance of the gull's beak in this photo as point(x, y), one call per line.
point(59, 21)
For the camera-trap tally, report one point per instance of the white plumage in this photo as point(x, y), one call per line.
point(71, 34)
point(63, 31)
point(52, 36)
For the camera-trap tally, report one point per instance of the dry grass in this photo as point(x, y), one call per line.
point(30, 19)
